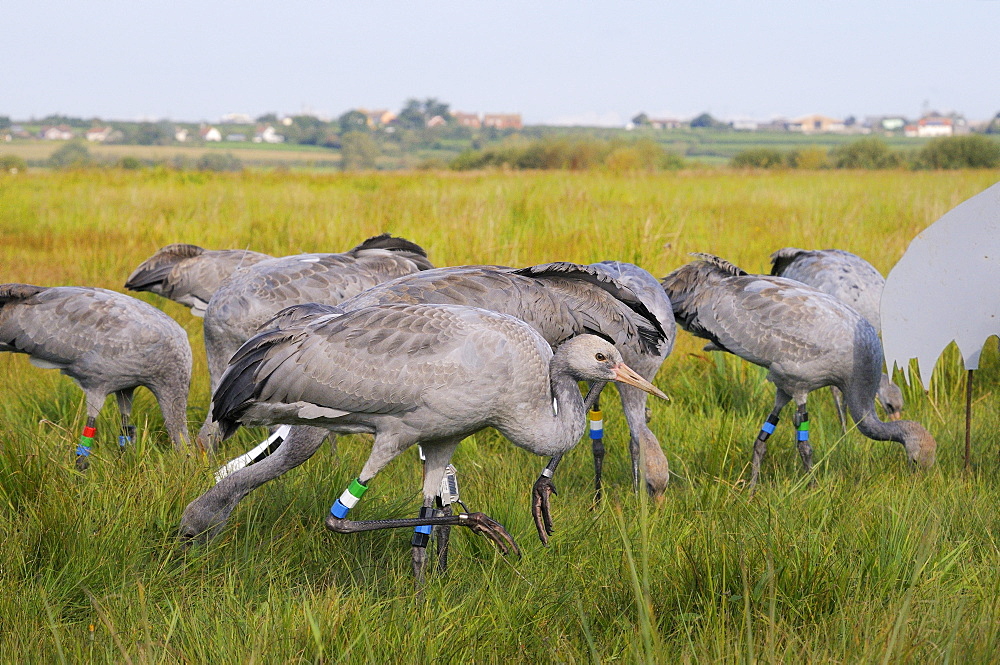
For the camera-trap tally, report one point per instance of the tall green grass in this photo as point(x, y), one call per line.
point(872, 563)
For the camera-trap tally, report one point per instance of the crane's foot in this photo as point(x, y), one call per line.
point(542, 490)
point(478, 522)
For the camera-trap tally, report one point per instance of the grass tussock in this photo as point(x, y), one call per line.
point(872, 563)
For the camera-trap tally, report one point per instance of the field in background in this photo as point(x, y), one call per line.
point(875, 563)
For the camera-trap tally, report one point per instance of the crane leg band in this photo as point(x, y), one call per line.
point(596, 424)
point(803, 431)
point(422, 534)
point(768, 428)
point(86, 440)
point(89, 432)
point(124, 440)
point(348, 499)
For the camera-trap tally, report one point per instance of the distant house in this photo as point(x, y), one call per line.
point(236, 137)
point(210, 134)
point(180, 135)
point(268, 135)
point(470, 120)
point(746, 125)
point(935, 124)
point(665, 123)
point(816, 124)
point(437, 121)
point(503, 120)
point(98, 134)
point(57, 133)
point(379, 117)
point(886, 123)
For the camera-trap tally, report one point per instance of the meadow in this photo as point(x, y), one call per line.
point(874, 562)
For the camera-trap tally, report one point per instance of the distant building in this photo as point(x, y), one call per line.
point(437, 121)
point(665, 123)
point(935, 124)
point(816, 124)
point(470, 120)
point(888, 124)
point(210, 133)
point(181, 135)
point(746, 125)
point(268, 135)
point(378, 117)
point(57, 133)
point(503, 120)
point(98, 134)
point(236, 137)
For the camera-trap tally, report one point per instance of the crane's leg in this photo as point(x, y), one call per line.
point(596, 420)
point(802, 435)
point(544, 487)
point(838, 400)
point(781, 398)
point(124, 398)
point(382, 453)
point(436, 459)
point(95, 400)
point(205, 516)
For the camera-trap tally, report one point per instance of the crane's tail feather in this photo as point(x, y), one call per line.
point(10, 293)
point(784, 257)
point(651, 336)
point(240, 386)
point(156, 268)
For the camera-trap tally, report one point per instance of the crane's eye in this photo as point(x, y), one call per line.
point(600, 357)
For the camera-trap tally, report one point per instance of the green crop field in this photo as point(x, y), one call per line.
point(875, 562)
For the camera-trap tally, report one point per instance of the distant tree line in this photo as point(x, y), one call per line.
point(972, 151)
point(572, 153)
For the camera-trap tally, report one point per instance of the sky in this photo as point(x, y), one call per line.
point(581, 62)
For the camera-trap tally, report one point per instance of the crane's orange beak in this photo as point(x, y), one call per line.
point(625, 374)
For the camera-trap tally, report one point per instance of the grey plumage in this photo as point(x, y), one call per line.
point(560, 300)
point(254, 294)
point(805, 338)
point(189, 274)
point(105, 341)
point(407, 373)
point(850, 279)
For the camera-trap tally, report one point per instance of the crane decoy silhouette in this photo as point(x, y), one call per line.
point(107, 343)
point(407, 373)
point(188, 274)
point(851, 280)
point(806, 340)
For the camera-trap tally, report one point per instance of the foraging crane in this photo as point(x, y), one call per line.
point(407, 373)
point(560, 300)
point(105, 341)
point(189, 274)
point(254, 294)
point(851, 280)
point(805, 338)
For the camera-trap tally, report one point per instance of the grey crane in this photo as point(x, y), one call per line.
point(852, 280)
point(189, 274)
point(105, 341)
point(560, 300)
point(254, 294)
point(806, 339)
point(407, 373)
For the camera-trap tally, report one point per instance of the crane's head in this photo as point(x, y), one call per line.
point(920, 446)
point(592, 358)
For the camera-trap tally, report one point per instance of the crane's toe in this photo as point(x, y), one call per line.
point(542, 490)
point(489, 527)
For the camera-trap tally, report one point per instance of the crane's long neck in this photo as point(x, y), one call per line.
point(861, 402)
point(547, 429)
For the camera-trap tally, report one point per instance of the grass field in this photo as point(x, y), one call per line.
point(874, 563)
